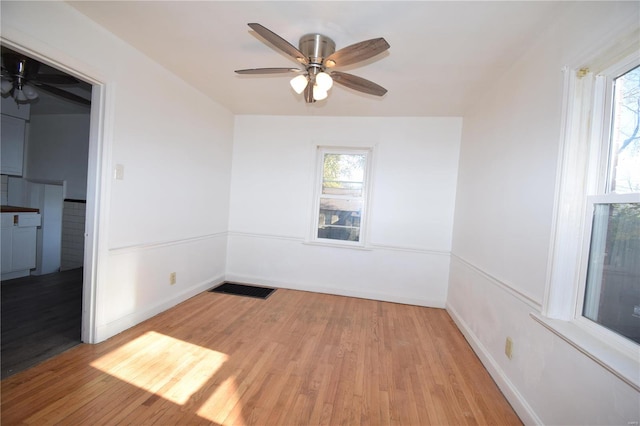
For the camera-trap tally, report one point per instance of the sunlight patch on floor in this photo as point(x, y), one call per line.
point(223, 406)
point(160, 364)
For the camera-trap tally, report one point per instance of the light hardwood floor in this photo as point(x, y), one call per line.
point(297, 358)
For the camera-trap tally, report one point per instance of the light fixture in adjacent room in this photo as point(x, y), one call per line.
point(21, 75)
point(6, 87)
point(21, 92)
point(18, 88)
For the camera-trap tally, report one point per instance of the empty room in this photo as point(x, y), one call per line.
point(443, 198)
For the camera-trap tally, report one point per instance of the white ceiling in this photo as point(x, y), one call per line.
point(441, 55)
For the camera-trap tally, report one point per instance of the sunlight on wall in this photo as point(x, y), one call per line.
point(163, 365)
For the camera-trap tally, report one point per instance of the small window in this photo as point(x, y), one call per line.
point(612, 291)
point(342, 190)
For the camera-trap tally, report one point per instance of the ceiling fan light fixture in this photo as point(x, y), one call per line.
point(299, 83)
point(6, 87)
point(324, 81)
point(318, 93)
point(30, 92)
point(19, 95)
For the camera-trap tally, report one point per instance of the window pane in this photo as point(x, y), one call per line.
point(343, 174)
point(339, 219)
point(612, 296)
point(625, 135)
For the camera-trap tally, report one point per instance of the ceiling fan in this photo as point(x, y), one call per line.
point(21, 75)
point(317, 54)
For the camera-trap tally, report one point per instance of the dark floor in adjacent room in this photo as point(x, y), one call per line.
point(41, 317)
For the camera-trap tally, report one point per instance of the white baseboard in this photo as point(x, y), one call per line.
point(519, 404)
point(384, 297)
point(105, 331)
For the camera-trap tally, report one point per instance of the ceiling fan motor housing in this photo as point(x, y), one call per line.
point(316, 47)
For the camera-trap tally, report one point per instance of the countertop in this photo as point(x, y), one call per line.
point(16, 209)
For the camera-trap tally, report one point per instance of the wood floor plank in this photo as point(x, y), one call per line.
point(295, 358)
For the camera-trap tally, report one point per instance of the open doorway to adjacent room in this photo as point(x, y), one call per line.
point(46, 120)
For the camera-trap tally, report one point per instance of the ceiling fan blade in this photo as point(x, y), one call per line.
point(268, 70)
point(358, 83)
point(55, 79)
point(63, 93)
point(357, 52)
point(279, 42)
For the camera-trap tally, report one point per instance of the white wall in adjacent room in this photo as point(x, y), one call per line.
point(58, 150)
point(412, 195)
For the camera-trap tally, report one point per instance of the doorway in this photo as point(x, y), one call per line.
point(60, 153)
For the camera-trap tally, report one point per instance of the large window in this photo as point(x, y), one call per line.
point(592, 298)
point(612, 291)
point(341, 195)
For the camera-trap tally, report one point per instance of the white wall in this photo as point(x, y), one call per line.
point(170, 212)
point(502, 230)
point(57, 150)
point(413, 192)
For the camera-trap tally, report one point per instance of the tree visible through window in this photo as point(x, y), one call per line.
point(342, 194)
point(612, 294)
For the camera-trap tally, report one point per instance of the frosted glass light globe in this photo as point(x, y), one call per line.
point(318, 93)
point(30, 92)
point(299, 83)
point(324, 81)
point(6, 86)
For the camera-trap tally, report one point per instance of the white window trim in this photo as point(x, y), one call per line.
point(317, 185)
point(580, 186)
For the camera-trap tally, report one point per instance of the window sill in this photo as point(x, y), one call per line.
point(337, 245)
point(622, 365)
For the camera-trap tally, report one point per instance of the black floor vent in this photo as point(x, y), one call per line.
point(243, 290)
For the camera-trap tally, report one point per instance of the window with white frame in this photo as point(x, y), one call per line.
point(593, 289)
point(610, 294)
point(341, 188)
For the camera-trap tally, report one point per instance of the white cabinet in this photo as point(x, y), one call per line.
point(12, 145)
point(23, 249)
point(18, 240)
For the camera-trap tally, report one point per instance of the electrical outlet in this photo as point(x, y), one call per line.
point(172, 278)
point(119, 172)
point(508, 347)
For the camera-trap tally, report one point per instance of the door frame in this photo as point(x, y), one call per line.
point(95, 247)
